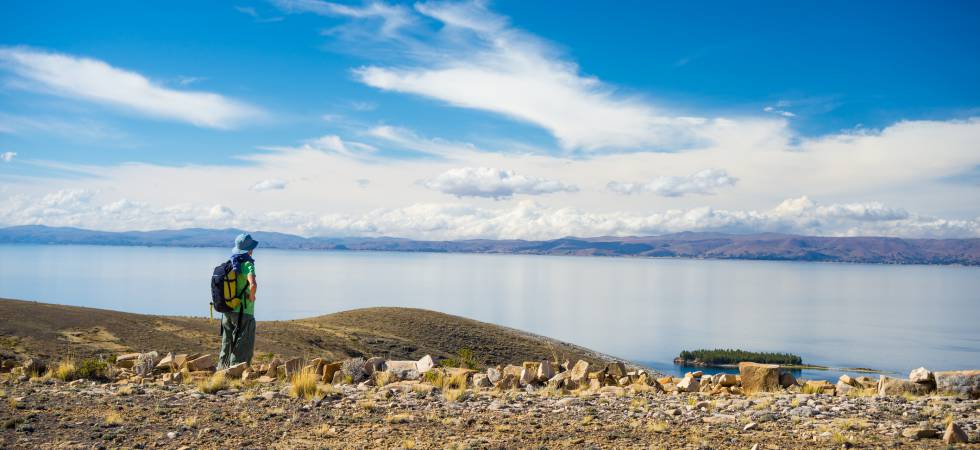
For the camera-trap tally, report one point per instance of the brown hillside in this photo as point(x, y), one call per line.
point(53, 331)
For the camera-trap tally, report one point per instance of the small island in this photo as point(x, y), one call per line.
point(729, 359)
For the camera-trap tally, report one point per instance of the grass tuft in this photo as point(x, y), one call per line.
point(382, 378)
point(64, 371)
point(659, 426)
point(454, 395)
point(215, 383)
point(113, 418)
point(303, 385)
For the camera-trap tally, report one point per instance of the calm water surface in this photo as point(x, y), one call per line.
point(844, 315)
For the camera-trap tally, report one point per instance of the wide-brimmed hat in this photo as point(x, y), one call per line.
point(244, 243)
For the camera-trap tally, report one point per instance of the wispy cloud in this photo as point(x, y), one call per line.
point(252, 12)
point(410, 140)
point(96, 81)
point(332, 143)
point(779, 109)
point(74, 128)
point(392, 18)
point(493, 183)
point(704, 182)
point(7, 156)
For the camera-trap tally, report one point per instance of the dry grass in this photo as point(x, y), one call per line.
point(762, 404)
point(216, 383)
point(303, 385)
point(658, 426)
point(454, 395)
point(64, 371)
point(435, 377)
point(189, 421)
point(842, 439)
point(382, 378)
point(113, 418)
point(862, 392)
point(399, 418)
point(851, 424)
point(811, 389)
point(552, 390)
point(323, 430)
point(125, 390)
point(367, 405)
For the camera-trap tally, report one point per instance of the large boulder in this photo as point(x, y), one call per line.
point(511, 369)
point(480, 380)
point(848, 380)
point(896, 386)
point(234, 371)
point(404, 370)
point(960, 382)
point(758, 377)
point(293, 367)
point(579, 373)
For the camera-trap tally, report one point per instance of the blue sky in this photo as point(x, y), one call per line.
point(566, 117)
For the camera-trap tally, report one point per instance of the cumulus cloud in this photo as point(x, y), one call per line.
point(96, 81)
point(493, 183)
point(704, 182)
point(7, 156)
point(523, 220)
point(269, 185)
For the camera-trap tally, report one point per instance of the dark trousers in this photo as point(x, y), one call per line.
point(232, 351)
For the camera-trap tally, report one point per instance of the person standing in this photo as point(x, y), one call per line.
point(238, 326)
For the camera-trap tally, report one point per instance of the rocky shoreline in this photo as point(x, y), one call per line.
point(148, 400)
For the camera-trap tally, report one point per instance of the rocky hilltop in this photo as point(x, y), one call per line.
point(145, 400)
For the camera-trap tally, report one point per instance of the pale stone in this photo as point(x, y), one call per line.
point(493, 374)
point(236, 370)
point(205, 362)
point(511, 369)
point(273, 370)
point(962, 382)
point(545, 371)
point(688, 384)
point(579, 373)
point(843, 388)
point(846, 379)
point(759, 377)
point(529, 372)
point(425, 364)
point(726, 379)
point(922, 375)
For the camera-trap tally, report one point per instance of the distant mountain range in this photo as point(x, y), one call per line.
point(765, 246)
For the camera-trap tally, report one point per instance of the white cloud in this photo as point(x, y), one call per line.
point(7, 156)
point(493, 183)
point(784, 113)
point(392, 17)
point(522, 220)
point(96, 81)
point(704, 182)
point(332, 143)
point(478, 61)
point(269, 185)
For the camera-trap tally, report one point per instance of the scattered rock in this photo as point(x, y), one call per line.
point(787, 379)
point(922, 375)
point(579, 373)
point(688, 384)
point(750, 426)
point(425, 364)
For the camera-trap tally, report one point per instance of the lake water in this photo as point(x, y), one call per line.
point(646, 310)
